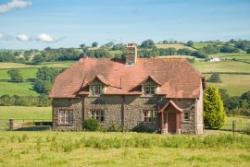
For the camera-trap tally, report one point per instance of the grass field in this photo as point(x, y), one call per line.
point(80, 149)
point(234, 84)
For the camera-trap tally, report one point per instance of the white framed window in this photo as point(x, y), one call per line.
point(96, 89)
point(149, 115)
point(149, 87)
point(98, 115)
point(186, 116)
point(65, 116)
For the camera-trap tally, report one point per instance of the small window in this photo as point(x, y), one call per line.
point(149, 115)
point(65, 116)
point(149, 88)
point(186, 116)
point(96, 89)
point(98, 115)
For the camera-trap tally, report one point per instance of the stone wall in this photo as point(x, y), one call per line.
point(75, 105)
point(127, 108)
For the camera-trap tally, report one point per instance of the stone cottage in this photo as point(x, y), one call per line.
point(159, 94)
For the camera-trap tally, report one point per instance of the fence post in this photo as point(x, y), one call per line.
point(233, 126)
point(11, 124)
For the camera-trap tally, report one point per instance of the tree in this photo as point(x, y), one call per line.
point(148, 44)
point(15, 75)
point(215, 77)
point(214, 114)
point(94, 44)
point(41, 86)
point(46, 73)
point(248, 51)
point(38, 59)
point(82, 46)
point(190, 43)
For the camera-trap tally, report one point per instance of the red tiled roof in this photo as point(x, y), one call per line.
point(175, 76)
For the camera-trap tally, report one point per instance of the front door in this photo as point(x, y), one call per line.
point(171, 121)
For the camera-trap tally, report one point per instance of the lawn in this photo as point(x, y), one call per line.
point(80, 149)
point(234, 84)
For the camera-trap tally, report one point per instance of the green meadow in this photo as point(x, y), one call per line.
point(97, 149)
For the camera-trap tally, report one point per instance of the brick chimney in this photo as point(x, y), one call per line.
point(131, 54)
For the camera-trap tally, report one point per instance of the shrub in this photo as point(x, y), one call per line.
point(91, 125)
point(15, 75)
point(215, 77)
point(214, 114)
point(115, 127)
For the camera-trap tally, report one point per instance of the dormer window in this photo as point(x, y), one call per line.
point(149, 87)
point(96, 88)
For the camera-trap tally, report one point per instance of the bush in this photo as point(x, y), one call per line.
point(215, 77)
point(214, 114)
point(91, 125)
point(15, 75)
point(248, 51)
point(40, 101)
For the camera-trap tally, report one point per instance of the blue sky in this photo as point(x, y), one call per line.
point(68, 23)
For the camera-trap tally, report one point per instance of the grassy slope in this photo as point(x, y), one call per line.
point(55, 149)
point(234, 84)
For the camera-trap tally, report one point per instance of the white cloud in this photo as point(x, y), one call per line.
point(14, 4)
point(23, 37)
point(5, 37)
point(45, 38)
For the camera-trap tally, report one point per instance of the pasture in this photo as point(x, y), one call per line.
point(79, 149)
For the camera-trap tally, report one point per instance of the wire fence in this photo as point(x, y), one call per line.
point(25, 124)
point(237, 124)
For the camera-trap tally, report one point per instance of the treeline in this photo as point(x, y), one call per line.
point(40, 101)
point(235, 105)
point(170, 52)
point(148, 48)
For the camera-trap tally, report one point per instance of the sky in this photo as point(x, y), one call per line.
point(36, 24)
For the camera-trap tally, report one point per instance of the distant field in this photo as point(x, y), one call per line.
point(176, 46)
point(226, 66)
point(21, 89)
point(48, 64)
point(234, 84)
